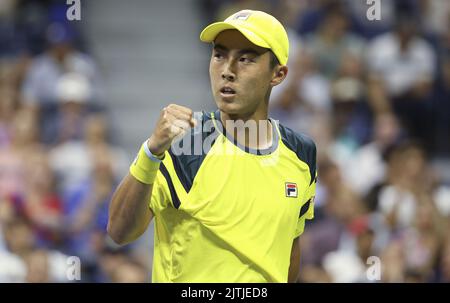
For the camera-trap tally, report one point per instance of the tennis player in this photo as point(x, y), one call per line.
point(228, 208)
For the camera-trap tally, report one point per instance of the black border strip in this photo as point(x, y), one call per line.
point(304, 208)
point(175, 200)
point(184, 179)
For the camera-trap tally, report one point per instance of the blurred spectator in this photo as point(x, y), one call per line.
point(403, 60)
point(313, 274)
point(21, 25)
point(130, 272)
point(49, 103)
point(73, 160)
point(37, 267)
point(371, 28)
point(45, 266)
point(108, 262)
point(336, 206)
point(287, 12)
point(61, 57)
point(27, 191)
point(412, 255)
point(117, 267)
point(73, 92)
point(393, 263)
point(311, 15)
point(314, 12)
point(436, 15)
point(24, 135)
point(7, 109)
point(333, 42)
point(28, 261)
point(8, 103)
point(441, 196)
point(444, 262)
point(406, 179)
point(351, 118)
point(304, 98)
point(12, 268)
point(40, 203)
point(421, 242)
point(441, 105)
point(18, 236)
point(342, 241)
point(324, 76)
point(17, 241)
point(366, 167)
point(402, 67)
point(86, 208)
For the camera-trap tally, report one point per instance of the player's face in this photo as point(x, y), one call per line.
point(240, 72)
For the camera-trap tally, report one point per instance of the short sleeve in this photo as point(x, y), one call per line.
point(160, 198)
point(307, 210)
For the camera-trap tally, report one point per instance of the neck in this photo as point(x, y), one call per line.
point(252, 130)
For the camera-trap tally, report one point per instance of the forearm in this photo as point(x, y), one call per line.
point(129, 213)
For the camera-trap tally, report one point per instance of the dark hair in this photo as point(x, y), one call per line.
point(273, 60)
point(403, 146)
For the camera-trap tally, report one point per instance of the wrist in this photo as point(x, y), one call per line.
point(152, 155)
point(155, 151)
point(145, 166)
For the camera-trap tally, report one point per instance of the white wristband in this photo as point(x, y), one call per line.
point(149, 153)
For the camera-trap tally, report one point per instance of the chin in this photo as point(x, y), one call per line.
point(229, 108)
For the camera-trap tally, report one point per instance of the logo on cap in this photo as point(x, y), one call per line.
point(243, 16)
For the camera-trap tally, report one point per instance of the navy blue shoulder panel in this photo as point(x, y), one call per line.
point(303, 146)
point(189, 152)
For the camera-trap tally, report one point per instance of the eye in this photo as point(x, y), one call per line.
point(218, 56)
point(245, 60)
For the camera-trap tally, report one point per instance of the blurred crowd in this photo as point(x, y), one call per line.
point(58, 165)
point(375, 97)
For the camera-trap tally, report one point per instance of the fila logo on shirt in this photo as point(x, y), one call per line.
point(291, 190)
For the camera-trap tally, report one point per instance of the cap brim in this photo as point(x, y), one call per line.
point(210, 33)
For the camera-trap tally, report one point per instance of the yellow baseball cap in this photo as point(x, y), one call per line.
point(258, 27)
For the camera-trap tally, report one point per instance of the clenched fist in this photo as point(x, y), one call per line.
point(173, 122)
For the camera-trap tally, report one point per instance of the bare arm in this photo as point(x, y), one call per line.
point(295, 261)
point(129, 212)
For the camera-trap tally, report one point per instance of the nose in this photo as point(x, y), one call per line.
point(228, 74)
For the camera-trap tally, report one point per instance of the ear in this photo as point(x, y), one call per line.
point(279, 74)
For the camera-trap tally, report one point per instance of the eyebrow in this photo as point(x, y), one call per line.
point(241, 52)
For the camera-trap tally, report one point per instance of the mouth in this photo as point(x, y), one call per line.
point(227, 92)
